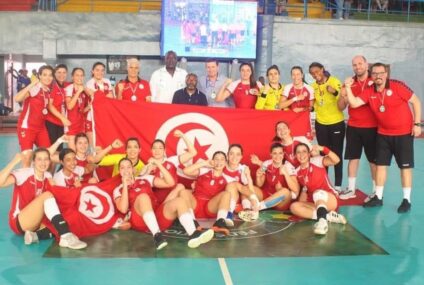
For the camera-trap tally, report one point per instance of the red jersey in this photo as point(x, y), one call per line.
point(236, 175)
point(289, 149)
point(243, 98)
point(34, 109)
point(273, 176)
point(60, 179)
point(314, 177)
point(361, 117)
point(140, 186)
point(100, 89)
point(137, 91)
point(171, 164)
point(76, 115)
point(57, 95)
point(208, 185)
point(26, 189)
point(82, 162)
point(290, 92)
point(391, 108)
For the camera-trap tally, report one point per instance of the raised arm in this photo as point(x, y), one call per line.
point(24, 93)
point(5, 178)
point(224, 93)
point(353, 101)
point(191, 151)
point(330, 158)
point(101, 154)
point(122, 202)
point(194, 169)
point(162, 182)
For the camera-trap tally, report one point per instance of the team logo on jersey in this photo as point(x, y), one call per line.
point(207, 135)
point(96, 205)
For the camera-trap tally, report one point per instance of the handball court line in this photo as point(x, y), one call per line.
point(225, 272)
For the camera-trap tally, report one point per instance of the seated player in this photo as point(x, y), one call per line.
point(163, 191)
point(209, 200)
point(276, 181)
point(32, 204)
point(71, 174)
point(318, 200)
point(136, 195)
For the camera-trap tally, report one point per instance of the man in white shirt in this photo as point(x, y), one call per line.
point(166, 80)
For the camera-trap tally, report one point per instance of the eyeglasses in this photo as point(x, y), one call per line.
point(378, 73)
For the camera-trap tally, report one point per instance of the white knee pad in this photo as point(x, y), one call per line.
point(320, 195)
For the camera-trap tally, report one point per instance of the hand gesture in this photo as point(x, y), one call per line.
point(315, 150)
point(254, 159)
point(178, 133)
point(331, 89)
point(283, 170)
point(348, 82)
point(266, 88)
point(117, 144)
point(66, 122)
point(228, 81)
point(416, 131)
point(80, 89)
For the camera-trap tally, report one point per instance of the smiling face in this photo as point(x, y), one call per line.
point(133, 69)
point(317, 73)
point(60, 75)
point(46, 77)
point(158, 150)
point(78, 77)
point(212, 69)
point(302, 154)
point(297, 76)
point(69, 162)
point(126, 168)
point(234, 156)
point(277, 155)
point(359, 66)
point(282, 131)
point(41, 161)
point(171, 60)
point(220, 161)
point(133, 150)
point(245, 72)
point(98, 72)
point(81, 145)
point(379, 76)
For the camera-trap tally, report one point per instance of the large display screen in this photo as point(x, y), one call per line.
point(214, 28)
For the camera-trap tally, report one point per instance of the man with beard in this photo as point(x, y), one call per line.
point(166, 80)
point(361, 128)
point(190, 95)
point(396, 128)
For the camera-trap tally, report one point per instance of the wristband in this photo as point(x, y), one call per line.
point(263, 95)
point(417, 124)
point(293, 195)
point(263, 168)
point(325, 150)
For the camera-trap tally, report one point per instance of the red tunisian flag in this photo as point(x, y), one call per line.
point(209, 128)
point(89, 210)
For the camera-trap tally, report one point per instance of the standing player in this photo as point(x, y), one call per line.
point(361, 131)
point(56, 119)
point(33, 204)
point(318, 200)
point(396, 128)
point(133, 88)
point(270, 94)
point(298, 96)
point(77, 104)
point(329, 123)
point(245, 91)
point(31, 127)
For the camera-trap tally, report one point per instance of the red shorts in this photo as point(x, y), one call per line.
point(201, 210)
point(76, 128)
point(88, 126)
point(28, 138)
point(161, 194)
point(138, 223)
point(13, 223)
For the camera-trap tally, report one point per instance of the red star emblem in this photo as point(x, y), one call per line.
point(201, 151)
point(90, 206)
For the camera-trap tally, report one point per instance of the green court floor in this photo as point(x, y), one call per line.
point(378, 246)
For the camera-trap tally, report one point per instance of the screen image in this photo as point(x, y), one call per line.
point(214, 28)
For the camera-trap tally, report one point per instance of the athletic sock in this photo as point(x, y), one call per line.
point(314, 215)
point(246, 203)
point(44, 233)
point(150, 219)
point(270, 203)
point(222, 214)
point(232, 205)
point(351, 183)
point(51, 210)
point(322, 212)
point(379, 191)
point(407, 193)
point(373, 186)
point(187, 222)
point(192, 213)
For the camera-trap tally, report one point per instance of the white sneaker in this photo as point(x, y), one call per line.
point(321, 227)
point(248, 215)
point(30, 237)
point(334, 217)
point(71, 241)
point(348, 194)
point(199, 238)
point(229, 223)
